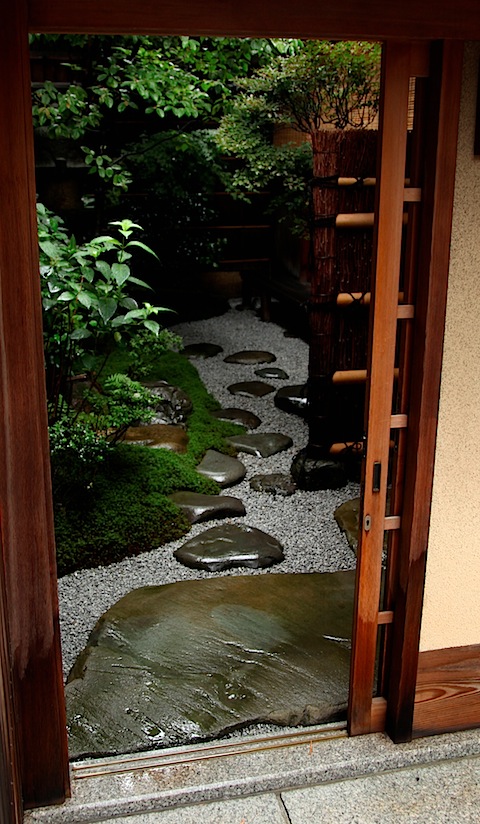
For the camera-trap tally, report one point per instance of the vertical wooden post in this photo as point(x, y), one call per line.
point(385, 286)
point(25, 494)
point(434, 255)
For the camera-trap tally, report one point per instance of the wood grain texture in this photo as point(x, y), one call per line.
point(447, 696)
point(25, 492)
point(386, 267)
point(433, 262)
point(363, 19)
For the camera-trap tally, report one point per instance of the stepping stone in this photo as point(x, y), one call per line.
point(198, 507)
point(159, 436)
point(262, 445)
point(174, 405)
point(275, 484)
point(230, 545)
point(292, 399)
point(223, 469)
point(272, 372)
point(202, 350)
point(189, 661)
point(240, 416)
point(317, 473)
point(250, 356)
point(251, 389)
point(347, 516)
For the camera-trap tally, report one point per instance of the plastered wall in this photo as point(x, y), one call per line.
point(451, 614)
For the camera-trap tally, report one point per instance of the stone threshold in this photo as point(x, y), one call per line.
point(108, 788)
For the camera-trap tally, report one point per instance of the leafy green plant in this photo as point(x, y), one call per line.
point(121, 403)
point(87, 305)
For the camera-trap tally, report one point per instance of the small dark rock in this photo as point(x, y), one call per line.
point(272, 372)
point(174, 405)
point(292, 399)
point(317, 473)
point(275, 484)
point(263, 445)
point(347, 516)
point(250, 356)
point(251, 389)
point(231, 545)
point(240, 416)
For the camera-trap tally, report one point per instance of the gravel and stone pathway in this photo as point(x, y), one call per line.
point(302, 521)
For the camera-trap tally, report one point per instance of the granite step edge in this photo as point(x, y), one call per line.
point(344, 759)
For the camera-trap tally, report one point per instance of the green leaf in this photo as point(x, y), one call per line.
point(142, 246)
point(134, 313)
point(139, 282)
point(104, 268)
point(152, 325)
point(121, 272)
point(67, 296)
point(50, 249)
point(80, 334)
point(85, 299)
point(107, 308)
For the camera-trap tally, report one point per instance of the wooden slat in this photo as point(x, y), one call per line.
point(398, 421)
point(355, 220)
point(387, 246)
point(385, 616)
point(378, 714)
point(406, 312)
point(412, 195)
point(447, 696)
point(25, 491)
point(350, 20)
point(347, 298)
point(392, 522)
point(433, 262)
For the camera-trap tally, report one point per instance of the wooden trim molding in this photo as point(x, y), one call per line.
point(447, 697)
point(353, 19)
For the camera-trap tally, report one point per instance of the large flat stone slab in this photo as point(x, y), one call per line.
point(292, 399)
point(198, 507)
point(242, 417)
point(223, 469)
point(262, 445)
point(251, 389)
point(228, 546)
point(191, 660)
point(251, 356)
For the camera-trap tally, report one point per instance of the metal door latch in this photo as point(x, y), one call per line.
point(367, 523)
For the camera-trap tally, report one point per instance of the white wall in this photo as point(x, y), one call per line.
point(451, 614)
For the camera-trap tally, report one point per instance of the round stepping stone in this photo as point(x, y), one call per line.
point(292, 399)
point(250, 356)
point(251, 389)
point(223, 469)
point(198, 507)
point(240, 416)
point(263, 445)
point(276, 483)
point(224, 547)
point(272, 372)
point(317, 473)
point(159, 436)
point(202, 350)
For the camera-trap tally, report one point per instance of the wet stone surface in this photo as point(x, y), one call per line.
point(223, 469)
point(272, 372)
point(317, 473)
point(198, 507)
point(292, 399)
point(174, 405)
point(251, 389)
point(202, 350)
point(276, 483)
point(240, 416)
point(188, 661)
point(262, 445)
point(347, 516)
point(250, 356)
point(159, 436)
point(230, 545)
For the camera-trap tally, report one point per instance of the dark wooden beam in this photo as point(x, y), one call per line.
point(28, 554)
point(355, 19)
point(434, 255)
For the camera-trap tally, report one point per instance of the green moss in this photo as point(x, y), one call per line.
point(125, 510)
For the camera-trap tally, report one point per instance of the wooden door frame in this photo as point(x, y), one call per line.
point(30, 600)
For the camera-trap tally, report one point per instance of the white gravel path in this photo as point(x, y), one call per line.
point(303, 522)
